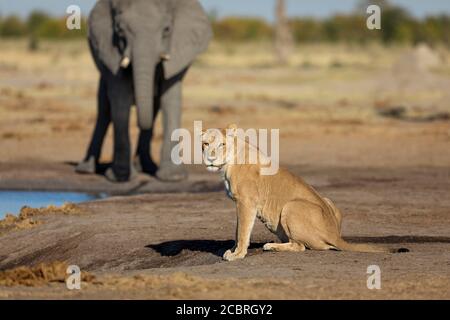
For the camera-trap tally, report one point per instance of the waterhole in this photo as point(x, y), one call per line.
point(13, 201)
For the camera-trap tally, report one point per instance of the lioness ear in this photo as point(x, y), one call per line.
point(231, 130)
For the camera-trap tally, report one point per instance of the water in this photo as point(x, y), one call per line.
point(13, 201)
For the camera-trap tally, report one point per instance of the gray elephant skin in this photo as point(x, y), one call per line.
point(143, 49)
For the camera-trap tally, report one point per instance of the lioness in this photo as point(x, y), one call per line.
point(288, 206)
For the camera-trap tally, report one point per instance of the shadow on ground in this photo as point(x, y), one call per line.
point(218, 248)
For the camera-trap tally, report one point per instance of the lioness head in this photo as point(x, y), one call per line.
point(216, 152)
point(229, 146)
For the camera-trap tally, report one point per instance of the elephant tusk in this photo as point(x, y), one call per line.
point(165, 56)
point(125, 62)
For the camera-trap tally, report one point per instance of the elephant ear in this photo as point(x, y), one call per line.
point(102, 38)
point(190, 36)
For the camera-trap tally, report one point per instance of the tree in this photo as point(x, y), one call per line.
point(283, 36)
point(35, 20)
point(396, 22)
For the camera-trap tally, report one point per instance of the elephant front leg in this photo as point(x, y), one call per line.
point(121, 100)
point(143, 161)
point(120, 170)
point(88, 165)
point(246, 216)
point(171, 112)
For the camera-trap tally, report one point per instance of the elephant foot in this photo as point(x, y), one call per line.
point(171, 173)
point(111, 176)
point(145, 166)
point(86, 166)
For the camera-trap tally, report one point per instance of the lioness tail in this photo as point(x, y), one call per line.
point(361, 247)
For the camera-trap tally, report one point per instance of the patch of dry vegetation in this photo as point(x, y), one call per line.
point(27, 217)
point(40, 275)
point(172, 286)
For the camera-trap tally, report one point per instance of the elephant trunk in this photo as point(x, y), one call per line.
point(144, 62)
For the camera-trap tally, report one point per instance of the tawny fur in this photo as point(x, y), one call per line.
point(287, 205)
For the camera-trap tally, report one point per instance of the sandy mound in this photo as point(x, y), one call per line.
point(26, 218)
point(38, 276)
point(411, 90)
point(420, 59)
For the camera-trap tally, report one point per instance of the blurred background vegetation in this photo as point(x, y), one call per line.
point(39, 25)
point(398, 26)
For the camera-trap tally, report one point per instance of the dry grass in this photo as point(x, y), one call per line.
point(40, 275)
point(27, 217)
point(48, 97)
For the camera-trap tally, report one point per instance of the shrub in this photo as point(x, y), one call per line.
point(13, 26)
point(242, 29)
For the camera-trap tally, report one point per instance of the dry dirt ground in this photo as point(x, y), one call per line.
point(390, 176)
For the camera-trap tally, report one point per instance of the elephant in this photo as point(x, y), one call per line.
point(142, 49)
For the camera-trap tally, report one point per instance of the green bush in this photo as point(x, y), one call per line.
point(242, 29)
point(39, 25)
point(434, 30)
point(57, 29)
point(348, 28)
point(35, 20)
point(307, 30)
point(12, 26)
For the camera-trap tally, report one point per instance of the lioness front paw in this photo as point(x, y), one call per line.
point(268, 247)
point(231, 256)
